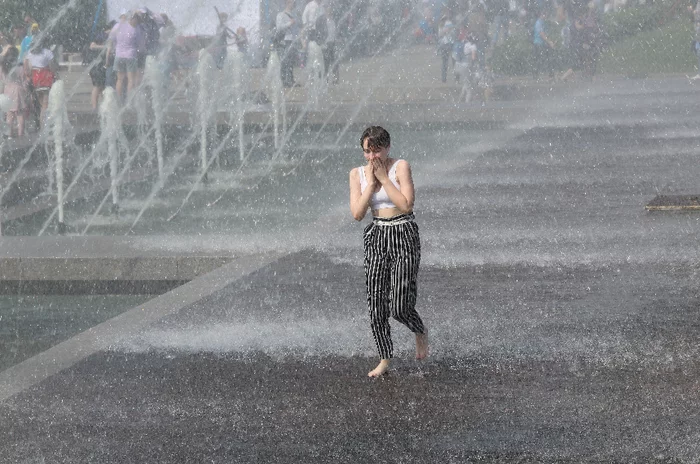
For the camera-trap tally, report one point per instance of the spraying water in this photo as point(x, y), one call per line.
point(110, 123)
point(316, 72)
point(58, 118)
point(274, 88)
point(205, 70)
point(236, 70)
point(154, 80)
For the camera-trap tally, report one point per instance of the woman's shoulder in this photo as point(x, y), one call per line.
point(400, 163)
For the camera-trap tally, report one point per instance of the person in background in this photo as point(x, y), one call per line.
point(543, 47)
point(569, 39)
point(501, 22)
point(217, 49)
point(311, 13)
point(478, 26)
point(98, 62)
point(330, 61)
point(19, 32)
point(287, 31)
point(587, 33)
point(4, 43)
point(391, 243)
point(466, 68)
point(167, 56)
point(425, 32)
point(241, 37)
point(27, 42)
point(126, 40)
point(446, 40)
point(14, 79)
point(41, 64)
point(150, 37)
point(29, 21)
point(111, 79)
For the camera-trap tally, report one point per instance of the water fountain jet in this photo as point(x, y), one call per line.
point(58, 119)
point(110, 123)
point(273, 80)
point(206, 68)
point(235, 69)
point(154, 80)
point(316, 81)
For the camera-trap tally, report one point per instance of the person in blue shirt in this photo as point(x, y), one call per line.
point(27, 42)
point(543, 47)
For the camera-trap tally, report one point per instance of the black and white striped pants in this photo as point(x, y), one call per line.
point(392, 258)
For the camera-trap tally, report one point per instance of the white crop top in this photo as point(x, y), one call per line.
point(380, 199)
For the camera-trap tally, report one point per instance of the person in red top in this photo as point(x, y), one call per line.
point(42, 67)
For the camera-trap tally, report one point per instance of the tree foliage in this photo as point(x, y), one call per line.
point(68, 22)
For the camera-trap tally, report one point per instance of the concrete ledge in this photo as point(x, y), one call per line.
point(38, 368)
point(674, 203)
point(103, 264)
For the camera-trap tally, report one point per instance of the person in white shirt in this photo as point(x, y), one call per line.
point(309, 17)
point(466, 68)
point(384, 186)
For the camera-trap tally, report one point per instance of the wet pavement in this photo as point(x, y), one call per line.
point(562, 315)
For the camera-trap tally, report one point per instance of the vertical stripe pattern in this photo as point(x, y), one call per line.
point(392, 258)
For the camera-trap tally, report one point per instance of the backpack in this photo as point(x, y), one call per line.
point(150, 28)
point(278, 36)
point(320, 32)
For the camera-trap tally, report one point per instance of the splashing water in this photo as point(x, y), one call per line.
point(235, 70)
point(58, 117)
point(154, 80)
point(205, 70)
point(316, 81)
point(274, 86)
point(110, 123)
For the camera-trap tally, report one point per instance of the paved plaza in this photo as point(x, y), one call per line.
point(562, 315)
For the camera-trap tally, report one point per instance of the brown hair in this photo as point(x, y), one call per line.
point(377, 137)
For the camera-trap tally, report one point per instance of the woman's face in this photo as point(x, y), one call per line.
point(374, 153)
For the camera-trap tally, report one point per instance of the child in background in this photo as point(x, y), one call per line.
point(15, 88)
point(466, 68)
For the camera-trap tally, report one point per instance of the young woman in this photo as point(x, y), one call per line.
point(41, 65)
point(391, 243)
point(126, 41)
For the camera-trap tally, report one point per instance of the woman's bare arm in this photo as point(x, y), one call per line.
point(359, 201)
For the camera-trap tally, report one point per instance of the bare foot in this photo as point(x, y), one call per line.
point(381, 368)
point(422, 345)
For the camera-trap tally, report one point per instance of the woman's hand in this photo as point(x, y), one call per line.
point(379, 171)
point(371, 179)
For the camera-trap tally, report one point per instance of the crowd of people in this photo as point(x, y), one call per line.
point(292, 35)
point(28, 69)
point(563, 35)
point(115, 56)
